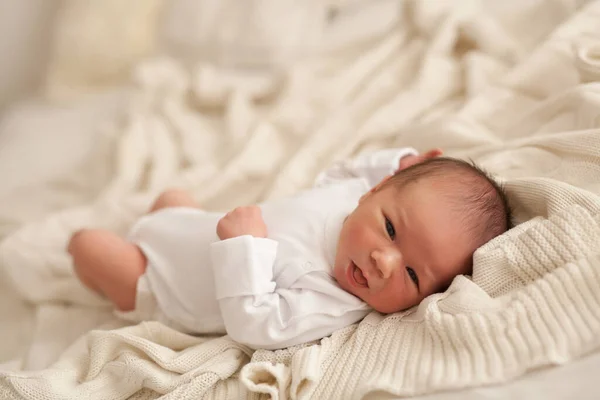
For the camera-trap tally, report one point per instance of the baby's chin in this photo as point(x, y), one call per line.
point(384, 309)
point(390, 308)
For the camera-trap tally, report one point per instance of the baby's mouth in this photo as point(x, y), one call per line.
point(358, 276)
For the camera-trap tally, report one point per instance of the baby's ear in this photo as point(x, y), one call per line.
point(437, 152)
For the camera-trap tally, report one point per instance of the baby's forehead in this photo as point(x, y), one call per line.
point(446, 185)
point(457, 188)
point(451, 179)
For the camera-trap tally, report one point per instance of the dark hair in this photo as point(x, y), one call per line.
point(478, 197)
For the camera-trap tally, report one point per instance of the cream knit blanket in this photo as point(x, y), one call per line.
point(513, 89)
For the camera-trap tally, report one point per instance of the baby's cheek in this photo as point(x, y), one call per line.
point(399, 296)
point(353, 235)
point(357, 234)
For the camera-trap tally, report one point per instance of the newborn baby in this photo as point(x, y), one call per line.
point(382, 231)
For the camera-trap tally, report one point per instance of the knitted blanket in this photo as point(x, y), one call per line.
point(516, 91)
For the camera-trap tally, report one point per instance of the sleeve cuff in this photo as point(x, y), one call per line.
point(383, 163)
point(243, 266)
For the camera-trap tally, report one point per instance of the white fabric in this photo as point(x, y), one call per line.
point(372, 166)
point(95, 45)
point(178, 276)
point(267, 293)
point(25, 29)
point(38, 168)
point(147, 309)
point(288, 295)
point(514, 89)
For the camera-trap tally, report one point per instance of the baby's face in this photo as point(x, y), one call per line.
point(401, 245)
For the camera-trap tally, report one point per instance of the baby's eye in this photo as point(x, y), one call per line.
point(390, 229)
point(413, 275)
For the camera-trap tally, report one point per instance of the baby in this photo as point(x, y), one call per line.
point(382, 231)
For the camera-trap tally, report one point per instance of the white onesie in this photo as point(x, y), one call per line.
point(266, 293)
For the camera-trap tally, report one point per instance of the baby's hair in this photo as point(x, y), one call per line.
point(478, 197)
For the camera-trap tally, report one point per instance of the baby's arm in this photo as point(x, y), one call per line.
point(374, 166)
point(256, 312)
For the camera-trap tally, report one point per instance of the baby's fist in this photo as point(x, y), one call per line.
point(242, 221)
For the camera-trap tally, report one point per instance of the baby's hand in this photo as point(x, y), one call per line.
point(409, 161)
point(242, 221)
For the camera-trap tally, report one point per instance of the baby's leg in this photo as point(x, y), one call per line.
point(173, 198)
point(108, 264)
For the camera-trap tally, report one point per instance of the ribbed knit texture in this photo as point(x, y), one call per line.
point(519, 100)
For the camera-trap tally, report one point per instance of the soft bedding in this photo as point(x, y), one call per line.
point(515, 89)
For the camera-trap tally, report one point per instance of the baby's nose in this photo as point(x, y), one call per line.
point(386, 261)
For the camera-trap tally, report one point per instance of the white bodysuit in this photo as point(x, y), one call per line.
point(266, 293)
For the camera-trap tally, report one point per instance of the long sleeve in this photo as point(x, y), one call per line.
point(373, 166)
point(259, 314)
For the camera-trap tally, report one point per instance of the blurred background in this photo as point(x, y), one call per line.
point(62, 48)
point(68, 64)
